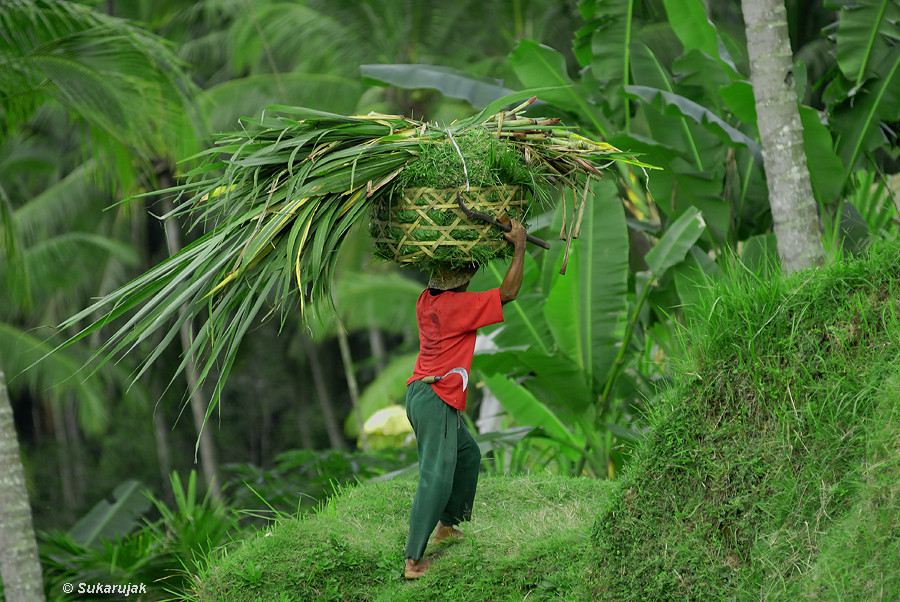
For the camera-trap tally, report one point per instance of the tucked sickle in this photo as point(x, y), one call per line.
point(430, 380)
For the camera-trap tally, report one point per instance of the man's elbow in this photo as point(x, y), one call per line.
point(508, 295)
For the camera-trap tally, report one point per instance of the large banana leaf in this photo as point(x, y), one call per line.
point(604, 40)
point(691, 24)
point(110, 520)
point(675, 105)
point(523, 325)
point(564, 353)
point(670, 250)
point(680, 236)
point(539, 66)
point(557, 380)
point(477, 91)
point(738, 99)
point(860, 121)
point(868, 55)
point(867, 36)
point(584, 307)
point(526, 409)
point(650, 73)
point(826, 172)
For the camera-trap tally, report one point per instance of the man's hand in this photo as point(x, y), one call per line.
point(512, 281)
point(516, 234)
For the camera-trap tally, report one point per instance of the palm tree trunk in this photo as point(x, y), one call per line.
point(208, 459)
point(781, 134)
point(352, 384)
point(303, 428)
point(335, 438)
point(378, 348)
point(164, 457)
point(20, 567)
point(63, 458)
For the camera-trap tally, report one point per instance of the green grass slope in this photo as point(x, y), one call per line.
point(771, 470)
point(527, 534)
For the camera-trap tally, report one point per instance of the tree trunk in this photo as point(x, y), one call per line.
point(781, 135)
point(63, 458)
point(352, 385)
point(335, 438)
point(20, 566)
point(378, 348)
point(303, 427)
point(162, 454)
point(208, 461)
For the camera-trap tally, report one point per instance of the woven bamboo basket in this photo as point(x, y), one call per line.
point(426, 225)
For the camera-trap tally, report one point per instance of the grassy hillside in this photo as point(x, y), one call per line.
point(527, 533)
point(771, 470)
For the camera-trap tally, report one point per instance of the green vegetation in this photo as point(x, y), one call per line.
point(769, 470)
point(477, 158)
point(473, 159)
point(770, 448)
point(105, 100)
point(524, 535)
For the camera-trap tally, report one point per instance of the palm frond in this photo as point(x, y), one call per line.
point(126, 84)
point(60, 373)
point(74, 198)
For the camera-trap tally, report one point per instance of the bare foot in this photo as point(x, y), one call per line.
point(446, 532)
point(416, 568)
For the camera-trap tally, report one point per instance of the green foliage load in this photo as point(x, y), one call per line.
point(276, 201)
point(402, 226)
point(770, 471)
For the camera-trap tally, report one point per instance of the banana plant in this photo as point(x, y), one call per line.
point(864, 96)
point(564, 345)
point(703, 93)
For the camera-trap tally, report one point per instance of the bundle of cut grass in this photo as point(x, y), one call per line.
point(426, 226)
point(277, 198)
point(421, 221)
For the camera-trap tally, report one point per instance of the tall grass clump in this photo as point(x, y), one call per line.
point(770, 468)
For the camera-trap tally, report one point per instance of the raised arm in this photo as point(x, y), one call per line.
point(512, 281)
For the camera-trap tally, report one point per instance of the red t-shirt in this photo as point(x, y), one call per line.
point(447, 325)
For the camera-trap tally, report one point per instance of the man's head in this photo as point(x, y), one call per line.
point(446, 278)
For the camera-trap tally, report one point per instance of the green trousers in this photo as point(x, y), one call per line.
point(449, 460)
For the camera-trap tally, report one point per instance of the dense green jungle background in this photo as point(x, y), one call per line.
point(104, 102)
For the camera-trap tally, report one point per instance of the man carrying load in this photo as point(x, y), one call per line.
point(448, 317)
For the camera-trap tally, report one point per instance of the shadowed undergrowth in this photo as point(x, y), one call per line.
point(770, 471)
